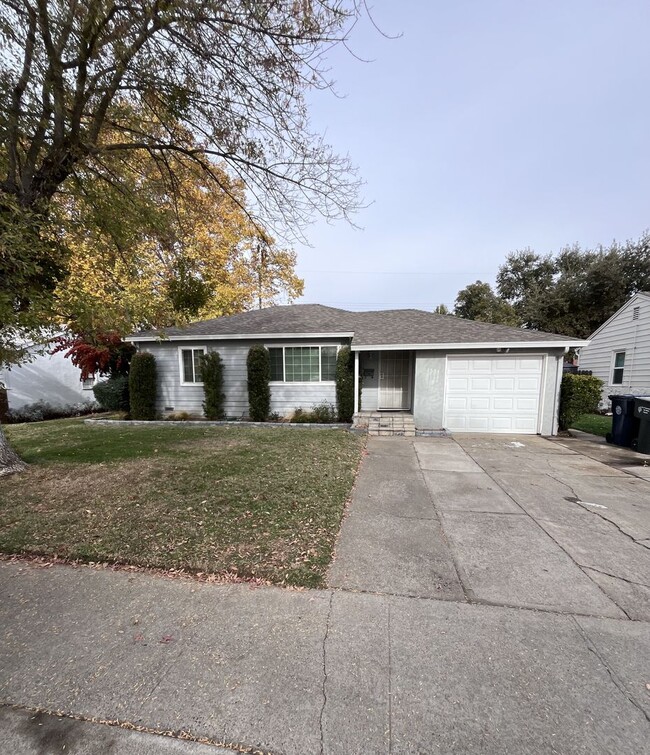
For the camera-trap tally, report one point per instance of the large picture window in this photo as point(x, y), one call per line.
point(303, 364)
point(191, 365)
point(619, 368)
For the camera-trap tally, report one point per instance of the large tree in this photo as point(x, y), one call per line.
point(168, 259)
point(477, 301)
point(578, 289)
point(85, 83)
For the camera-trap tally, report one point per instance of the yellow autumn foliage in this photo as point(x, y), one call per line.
point(129, 260)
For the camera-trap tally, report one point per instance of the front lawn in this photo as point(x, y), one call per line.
point(250, 501)
point(597, 424)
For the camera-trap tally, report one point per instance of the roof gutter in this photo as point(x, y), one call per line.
point(162, 338)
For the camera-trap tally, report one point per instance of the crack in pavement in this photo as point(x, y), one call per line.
point(615, 576)
point(549, 535)
point(322, 710)
point(612, 674)
point(585, 507)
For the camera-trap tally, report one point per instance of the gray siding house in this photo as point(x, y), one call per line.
point(447, 372)
point(619, 351)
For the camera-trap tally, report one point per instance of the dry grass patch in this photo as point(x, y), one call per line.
point(255, 502)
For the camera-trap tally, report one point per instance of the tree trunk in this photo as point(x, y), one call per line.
point(10, 462)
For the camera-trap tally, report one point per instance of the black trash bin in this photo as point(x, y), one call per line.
point(642, 413)
point(625, 425)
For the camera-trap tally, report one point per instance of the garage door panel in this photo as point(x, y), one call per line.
point(493, 394)
point(456, 384)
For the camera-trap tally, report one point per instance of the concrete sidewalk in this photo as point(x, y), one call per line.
point(319, 671)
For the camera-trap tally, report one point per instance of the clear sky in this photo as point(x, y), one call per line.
point(488, 126)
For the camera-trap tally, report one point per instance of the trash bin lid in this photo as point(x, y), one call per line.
point(642, 407)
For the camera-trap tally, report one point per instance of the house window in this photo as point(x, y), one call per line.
point(88, 383)
point(619, 366)
point(303, 364)
point(191, 365)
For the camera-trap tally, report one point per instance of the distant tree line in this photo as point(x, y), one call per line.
point(572, 292)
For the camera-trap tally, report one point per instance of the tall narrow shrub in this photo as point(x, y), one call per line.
point(579, 394)
point(143, 386)
point(345, 384)
point(212, 378)
point(258, 364)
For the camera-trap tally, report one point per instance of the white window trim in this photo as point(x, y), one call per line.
point(89, 387)
point(181, 370)
point(320, 346)
point(614, 367)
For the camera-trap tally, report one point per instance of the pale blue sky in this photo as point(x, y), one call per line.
point(487, 127)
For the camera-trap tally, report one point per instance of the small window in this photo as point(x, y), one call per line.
point(635, 313)
point(277, 364)
point(88, 383)
point(191, 365)
point(619, 367)
point(328, 363)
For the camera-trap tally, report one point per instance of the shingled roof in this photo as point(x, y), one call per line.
point(377, 328)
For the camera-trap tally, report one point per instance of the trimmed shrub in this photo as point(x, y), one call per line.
point(212, 378)
point(322, 414)
point(579, 394)
point(345, 384)
point(143, 386)
point(113, 394)
point(258, 365)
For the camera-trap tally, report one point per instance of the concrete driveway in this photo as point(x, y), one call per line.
point(522, 522)
point(489, 595)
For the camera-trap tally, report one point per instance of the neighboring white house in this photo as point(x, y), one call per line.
point(449, 373)
point(46, 377)
point(619, 351)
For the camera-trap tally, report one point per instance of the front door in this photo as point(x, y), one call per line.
point(395, 380)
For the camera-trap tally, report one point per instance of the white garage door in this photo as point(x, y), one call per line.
point(493, 394)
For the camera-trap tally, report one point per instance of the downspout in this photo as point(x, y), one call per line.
point(356, 382)
point(556, 399)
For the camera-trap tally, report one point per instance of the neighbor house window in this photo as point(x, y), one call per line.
point(303, 364)
point(88, 383)
point(619, 366)
point(191, 365)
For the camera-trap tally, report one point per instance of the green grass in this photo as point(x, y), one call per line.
point(250, 501)
point(596, 424)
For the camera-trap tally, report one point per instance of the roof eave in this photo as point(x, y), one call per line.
point(564, 344)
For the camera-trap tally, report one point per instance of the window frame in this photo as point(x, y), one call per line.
point(92, 382)
point(613, 381)
point(320, 347)
point(181, 366)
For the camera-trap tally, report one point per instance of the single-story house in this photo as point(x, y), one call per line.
point(45, 377)
point(619, 351)
point(447, 372)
